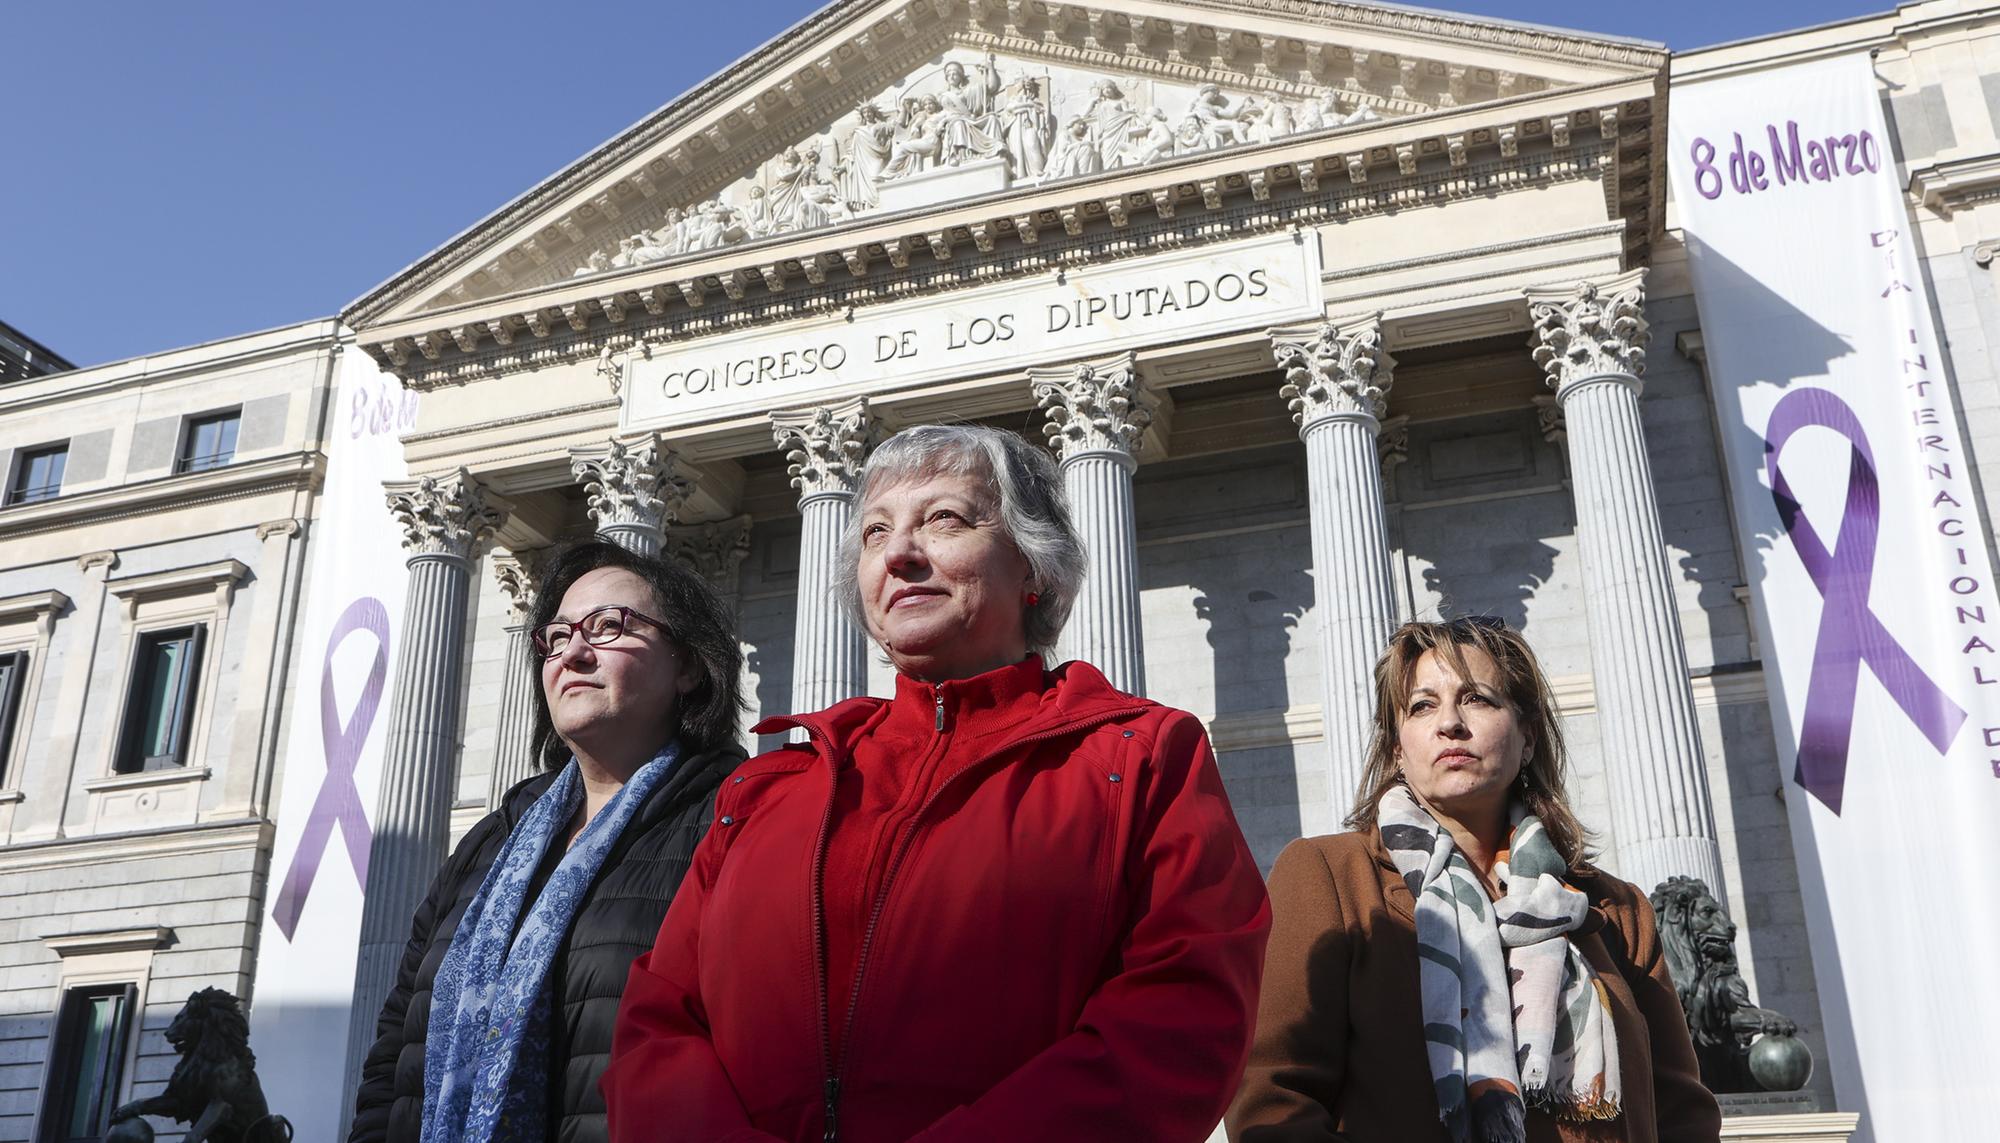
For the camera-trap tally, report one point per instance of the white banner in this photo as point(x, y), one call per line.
point(1043, 320)
point(333, 758)
point(1855, 499)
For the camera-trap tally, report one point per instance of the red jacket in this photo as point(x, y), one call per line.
point(1065, 945)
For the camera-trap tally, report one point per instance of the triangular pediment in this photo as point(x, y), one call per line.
point(870, 109)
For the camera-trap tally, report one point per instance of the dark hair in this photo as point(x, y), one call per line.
point(1528, 691)
point(696, 619)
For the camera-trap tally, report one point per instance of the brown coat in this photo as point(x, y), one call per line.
point(1339, 1052)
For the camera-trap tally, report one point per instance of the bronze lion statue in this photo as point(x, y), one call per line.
point(1699, 940)
point(214, 1087)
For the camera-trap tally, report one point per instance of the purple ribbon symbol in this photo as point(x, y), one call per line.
point(1849, 632)
point(339, 800)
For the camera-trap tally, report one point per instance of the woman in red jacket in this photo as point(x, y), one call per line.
point(1010, 903)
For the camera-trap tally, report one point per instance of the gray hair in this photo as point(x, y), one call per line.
point(1034, 513)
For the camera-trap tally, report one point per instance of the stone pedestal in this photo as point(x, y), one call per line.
point(445, 521)
point(1097, 418)
point(1591, 340)
point(1337, 380)
point(824, 446)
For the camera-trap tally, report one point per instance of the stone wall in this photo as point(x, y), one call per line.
point(206, 885)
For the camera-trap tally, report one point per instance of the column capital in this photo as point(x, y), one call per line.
point(1590, 329)
point(824, 446)
point(630, 482)
point(1093, 406)
point(1333, 369)
point(451, 515)
point(1392, 447)
point(519, 574)
point(715, 551)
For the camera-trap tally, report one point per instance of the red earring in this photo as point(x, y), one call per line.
point(1033, 599)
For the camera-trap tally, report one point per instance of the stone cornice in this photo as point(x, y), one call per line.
point(1325, 176)
point(289, 472)
point(773, 89)
point(1957, 184)
point(165, 368)
point(146, 845)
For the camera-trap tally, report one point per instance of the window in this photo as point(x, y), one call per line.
point(13, 680)
point(39, 474)
point(160, 705)
point(210, 441)
point(87, 1061)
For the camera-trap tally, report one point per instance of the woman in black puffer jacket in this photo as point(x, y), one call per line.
point(530, 928)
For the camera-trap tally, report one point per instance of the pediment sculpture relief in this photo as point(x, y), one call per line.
point(971, 125)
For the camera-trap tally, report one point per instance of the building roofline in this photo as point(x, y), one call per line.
point(10, 333)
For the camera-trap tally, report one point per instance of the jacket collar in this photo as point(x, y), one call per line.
point(1031, 699)
point(696, 772)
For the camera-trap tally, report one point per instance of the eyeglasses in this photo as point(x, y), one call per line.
point(598, 627)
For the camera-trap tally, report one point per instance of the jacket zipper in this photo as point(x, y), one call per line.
point(819, 949)
point(908, 836)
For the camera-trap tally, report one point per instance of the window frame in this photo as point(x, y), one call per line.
point(15, 663)
point(27, 627)
point(17, 490)
point(63, 1087)
point(186, 699)
point(184, 459)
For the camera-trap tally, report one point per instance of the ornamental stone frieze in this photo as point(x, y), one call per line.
point(1093, 407)
point(630, 484)
point(1332, 369)
point(824, 446)
point(450, 516)
point(978, 123)
point(1591, 330)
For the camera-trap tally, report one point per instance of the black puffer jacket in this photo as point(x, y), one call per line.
point(618, 921)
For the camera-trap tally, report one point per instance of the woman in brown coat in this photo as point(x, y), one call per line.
point(1454, 970)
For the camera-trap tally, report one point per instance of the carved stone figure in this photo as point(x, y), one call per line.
point(965, 114)
point(1025, 126)
point(1076, 153)
point(1220, 123)
point(795, 201)
point(1110, 115)
point(869, 146)
point(716, 225)
point(1151, 139)
point(597, 263)
point(1699, 940)
point(919, 138)
point(214, 1086)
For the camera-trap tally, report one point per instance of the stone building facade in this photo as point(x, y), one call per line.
point(146, 605)
point(1335, 315)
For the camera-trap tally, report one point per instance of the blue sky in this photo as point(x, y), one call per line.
point(175, 173)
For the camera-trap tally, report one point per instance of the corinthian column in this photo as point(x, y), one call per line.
point(445, 522)
point(632, 490)
point(1097, 416)
point(513, 753)
point(824, 447)
point(1591, 340)
point(1337, 380)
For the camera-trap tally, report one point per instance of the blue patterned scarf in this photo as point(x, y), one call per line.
point(486, 1057)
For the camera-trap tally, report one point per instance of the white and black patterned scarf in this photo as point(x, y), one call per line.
point(1513, 1014)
